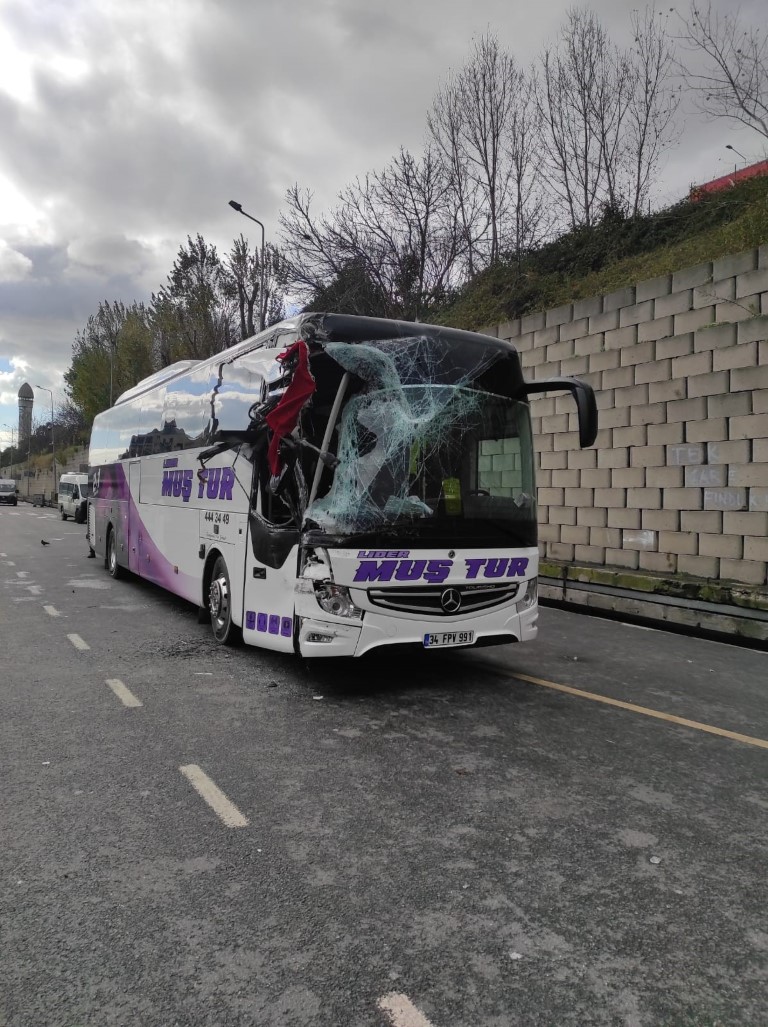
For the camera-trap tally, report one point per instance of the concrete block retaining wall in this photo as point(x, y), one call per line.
point(40, 482)
point(677, 482)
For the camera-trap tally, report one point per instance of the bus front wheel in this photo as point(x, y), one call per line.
point(113, 567)
point(225, 631)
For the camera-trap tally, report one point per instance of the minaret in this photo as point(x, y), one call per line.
point(26, 402)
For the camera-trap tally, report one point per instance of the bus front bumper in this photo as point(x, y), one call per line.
point(352, 638)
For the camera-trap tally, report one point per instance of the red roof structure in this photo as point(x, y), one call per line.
point(728, 181)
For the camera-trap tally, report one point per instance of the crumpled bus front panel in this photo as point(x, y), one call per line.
point(406, 594)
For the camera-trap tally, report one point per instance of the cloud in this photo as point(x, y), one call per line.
point(14, 266)
point(126, 257)
point(12, 380)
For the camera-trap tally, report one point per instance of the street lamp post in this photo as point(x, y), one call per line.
point(729, 147)
point(53, 442)
point(111, 362)
point(12, 429)
point(238, 207)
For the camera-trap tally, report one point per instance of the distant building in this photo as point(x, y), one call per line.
point(163, 440)
point(26, 402)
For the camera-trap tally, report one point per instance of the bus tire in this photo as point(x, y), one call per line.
point(225, 631)
point(113, 567)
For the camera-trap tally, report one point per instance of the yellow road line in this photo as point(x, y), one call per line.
point(669, 717)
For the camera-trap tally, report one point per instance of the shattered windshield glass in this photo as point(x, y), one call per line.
point(423, 452)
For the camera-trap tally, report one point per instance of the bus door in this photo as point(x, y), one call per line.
point(270, 576)
point(269, 603)
point(134, 524)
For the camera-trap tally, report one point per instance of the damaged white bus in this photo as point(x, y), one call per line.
point(332, 485)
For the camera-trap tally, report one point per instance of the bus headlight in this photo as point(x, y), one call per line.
point(530, 596)
point(336, 599)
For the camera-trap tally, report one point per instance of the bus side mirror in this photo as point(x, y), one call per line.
point(585, 402)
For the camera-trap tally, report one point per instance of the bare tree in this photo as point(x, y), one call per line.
point(242, 283)
point(611, 106)
point(529, 221)
point(192, 315)
point(445, 122)
point(582, 100)
point(277, 273)
point(483, 124)
point(317, 251)
point(404, 214)
point(393, 238)
point(242, 274)
point(606, 115)
point(653, 105)
point(733, 83)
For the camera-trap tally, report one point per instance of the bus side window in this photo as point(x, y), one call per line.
point(273, 527)
point(270, 507)
point(273, 509)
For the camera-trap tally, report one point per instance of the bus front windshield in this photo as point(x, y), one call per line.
point(432, 463)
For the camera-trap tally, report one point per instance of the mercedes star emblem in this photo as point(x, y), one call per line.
point(450, 601)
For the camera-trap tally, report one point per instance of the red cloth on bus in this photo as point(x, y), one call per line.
point(285, 416)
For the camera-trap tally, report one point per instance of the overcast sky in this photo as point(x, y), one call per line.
point(126, 127)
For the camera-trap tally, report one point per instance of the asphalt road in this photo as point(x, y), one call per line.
point(442, 839)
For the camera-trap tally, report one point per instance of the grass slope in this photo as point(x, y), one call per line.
point(616, 253)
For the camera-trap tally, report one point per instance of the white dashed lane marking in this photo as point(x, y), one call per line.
point(402, 1012)
point(78, 642)
point(225, 810)
point(52, 611)
point(123, 693)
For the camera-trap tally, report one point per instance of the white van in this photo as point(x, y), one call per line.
point(73, 497)
point(8, 491)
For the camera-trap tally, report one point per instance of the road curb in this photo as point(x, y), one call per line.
point(721, 621)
